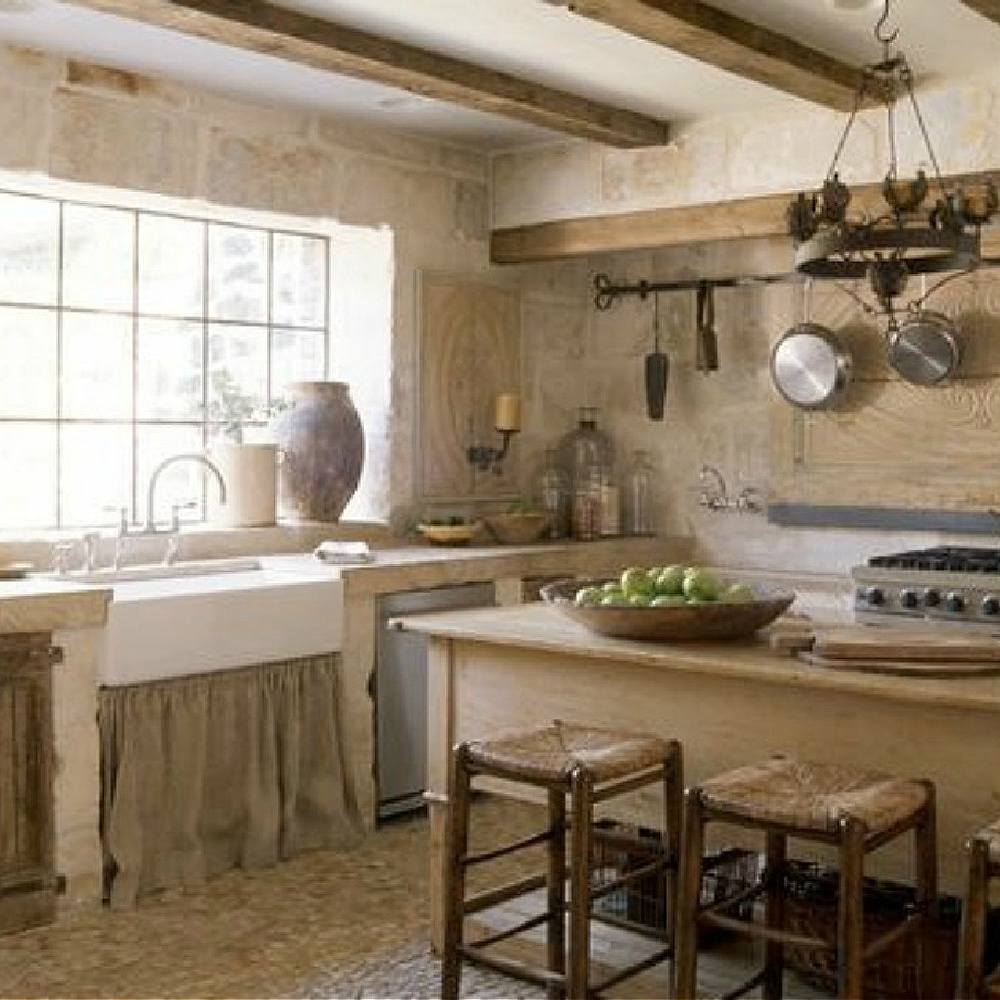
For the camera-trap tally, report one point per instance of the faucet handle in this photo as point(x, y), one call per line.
point(91, 545)
point(62, 552)
point(122, 511)
point(175, 512)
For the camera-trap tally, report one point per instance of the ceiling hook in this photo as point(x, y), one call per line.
point(880, 26)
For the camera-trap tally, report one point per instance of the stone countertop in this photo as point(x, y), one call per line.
point(539, 627)
point(41, 604)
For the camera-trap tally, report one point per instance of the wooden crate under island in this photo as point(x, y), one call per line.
point(729, 703)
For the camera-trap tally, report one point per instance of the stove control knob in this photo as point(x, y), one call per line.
point(991, 605)
point(955, 603)
point(932, 598)
point(908, 598)
point(874, 596)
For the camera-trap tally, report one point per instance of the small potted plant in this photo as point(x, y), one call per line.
point(248, 468)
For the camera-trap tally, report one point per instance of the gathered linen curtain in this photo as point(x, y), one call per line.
point(236, 769)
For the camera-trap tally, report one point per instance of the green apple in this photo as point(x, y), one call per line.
point(588, 595)
point(635, 580)
point(611, 587)
point(668, 601)
point(669, 580)
point(699, 584)
point(611, 600)
point(639, 600)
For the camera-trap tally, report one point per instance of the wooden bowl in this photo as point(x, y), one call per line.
point(450, 534)
point(517, 529)
point(709, 620)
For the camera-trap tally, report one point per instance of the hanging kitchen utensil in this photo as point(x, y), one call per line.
point(923, 349)
point(810, 367)
point(657, 369)
point(707, 346)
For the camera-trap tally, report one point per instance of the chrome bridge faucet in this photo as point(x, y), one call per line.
point(150, 527)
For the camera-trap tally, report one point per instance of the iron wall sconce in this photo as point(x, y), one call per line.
point(507, 422)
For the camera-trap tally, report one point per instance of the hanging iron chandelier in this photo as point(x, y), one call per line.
point(925, 227)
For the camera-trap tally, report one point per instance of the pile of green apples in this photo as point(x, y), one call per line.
point(663, 587)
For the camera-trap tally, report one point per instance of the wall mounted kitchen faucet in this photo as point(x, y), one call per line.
point(715, 496)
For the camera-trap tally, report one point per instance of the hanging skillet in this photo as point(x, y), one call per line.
point(657, 370)
point(923, 349)
point(810, 367)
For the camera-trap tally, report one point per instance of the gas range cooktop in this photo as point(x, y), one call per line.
point(948, 584)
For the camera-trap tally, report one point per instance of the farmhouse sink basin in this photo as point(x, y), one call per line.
point(164, 571)
point(200, 622)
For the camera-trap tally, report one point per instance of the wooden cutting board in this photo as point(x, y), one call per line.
point(907, 668)
point(864, 642)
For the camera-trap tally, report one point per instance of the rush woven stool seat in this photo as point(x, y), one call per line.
point(855, 810)
point(586, 765)
point(975, 980)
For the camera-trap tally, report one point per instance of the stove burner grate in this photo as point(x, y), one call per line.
point(946, 558)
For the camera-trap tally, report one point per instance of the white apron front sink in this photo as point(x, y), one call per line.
point(193, 624)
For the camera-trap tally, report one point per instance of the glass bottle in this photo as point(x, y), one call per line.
point(554, 496)
point(586, 448)
point(609, 504)
point(638, 495)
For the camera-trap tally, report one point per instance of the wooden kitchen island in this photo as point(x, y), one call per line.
point(729, 703)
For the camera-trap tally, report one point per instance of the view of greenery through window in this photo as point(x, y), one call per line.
point(129, 335)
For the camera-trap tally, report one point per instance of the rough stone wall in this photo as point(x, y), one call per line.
point(575, 355)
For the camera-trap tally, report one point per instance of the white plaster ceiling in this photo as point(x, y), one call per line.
point(535, 39)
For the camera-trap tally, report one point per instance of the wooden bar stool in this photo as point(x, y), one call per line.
point(974, 979)
point(856, 811)
point(589, 765)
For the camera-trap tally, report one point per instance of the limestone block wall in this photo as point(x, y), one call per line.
point(80, 122)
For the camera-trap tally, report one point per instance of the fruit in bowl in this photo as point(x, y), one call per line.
point(668, 602)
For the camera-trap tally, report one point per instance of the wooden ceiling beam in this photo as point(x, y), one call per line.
point(649, 229)
point(988, 8)
point(264, 27)
point(727, 42)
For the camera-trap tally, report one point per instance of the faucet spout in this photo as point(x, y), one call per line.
point(186, 456)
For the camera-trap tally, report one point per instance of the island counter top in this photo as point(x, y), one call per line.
point(540, 627)
point(729, 703)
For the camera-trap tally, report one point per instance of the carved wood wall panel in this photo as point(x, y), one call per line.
point(470, 351)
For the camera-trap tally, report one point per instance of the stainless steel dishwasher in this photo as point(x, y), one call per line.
point(401, 692)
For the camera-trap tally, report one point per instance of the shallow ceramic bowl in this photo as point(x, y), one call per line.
point(517, 529)
point(711, 620)
point(450, 534)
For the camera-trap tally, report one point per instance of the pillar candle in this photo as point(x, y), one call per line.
point(508, 415)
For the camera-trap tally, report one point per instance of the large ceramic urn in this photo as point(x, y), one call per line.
point(322, 450)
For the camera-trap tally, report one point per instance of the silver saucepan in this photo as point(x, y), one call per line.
point(810, 367)
point(923, 349)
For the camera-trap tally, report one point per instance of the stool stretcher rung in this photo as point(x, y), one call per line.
point(626, 785)
point(493, 897)
point(643, 930)
point(760, 931)
point(751, 984)
point(909, 925)
point(743, 896)
point(518, 845)
point(633, 970)
point(513, 967)
point(509, 932)
point(622, 881)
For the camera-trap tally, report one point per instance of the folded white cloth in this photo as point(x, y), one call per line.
point(343, 552)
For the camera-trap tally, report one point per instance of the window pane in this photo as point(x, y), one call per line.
point(178, 483)
point(97, 366)
point(171, 266)
point(28, 499)
point(296, 356)
point(169, 370)
point(96, 474)
point(299, 280)
point(28, 362)
point(237, 273)
point(237, 381)
point(29, 249)
point(98, 247)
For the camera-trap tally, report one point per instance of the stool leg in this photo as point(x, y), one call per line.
point(774, 951)
point(925, 846)
point(689, 897)
point(458, 838)
point(850, 917)
point(970, 978)
point(581, 792)
point(673, 805)
point(556, 929)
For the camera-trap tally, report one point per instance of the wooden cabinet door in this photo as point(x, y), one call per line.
point(470, 351)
